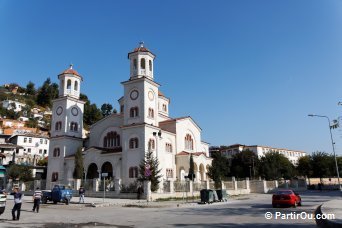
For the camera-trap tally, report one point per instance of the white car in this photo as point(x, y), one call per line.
point(2, 202)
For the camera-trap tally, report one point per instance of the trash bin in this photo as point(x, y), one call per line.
point(224, 195)
point(207, 196)
point(219, 194)
point(215, 197)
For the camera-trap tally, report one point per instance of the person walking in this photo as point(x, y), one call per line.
point(81, 192)
point(17, 203)
point(37, 196)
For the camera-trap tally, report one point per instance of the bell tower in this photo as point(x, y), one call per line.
point(66, 126)
point(69, 83)
point(141, 62)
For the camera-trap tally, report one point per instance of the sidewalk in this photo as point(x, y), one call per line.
point(333, 207)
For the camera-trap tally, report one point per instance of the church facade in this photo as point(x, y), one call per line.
point(117, 144)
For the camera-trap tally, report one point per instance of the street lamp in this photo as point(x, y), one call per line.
point(333, 147)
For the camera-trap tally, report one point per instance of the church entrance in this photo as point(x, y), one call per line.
point(107, 168)
point(92, 171)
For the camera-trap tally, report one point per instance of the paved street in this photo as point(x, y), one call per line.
point(243, 211)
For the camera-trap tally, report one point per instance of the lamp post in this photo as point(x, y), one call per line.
point(333, 147)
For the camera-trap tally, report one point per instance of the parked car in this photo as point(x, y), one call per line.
point(287, 198)
point(59, 193)
point(2, 202)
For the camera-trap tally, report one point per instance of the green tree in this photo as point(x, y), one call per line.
point(322, 164)
point(274, 166)
point(78, 171)
point(106, 109)
point(91, 113)
point(42, 162)
point(30, 89)
point(304, 167)
point(244, 164)
point(149, 170)
point(219, 169)
point(21, 172)
point(47, 93)
point(191, 174)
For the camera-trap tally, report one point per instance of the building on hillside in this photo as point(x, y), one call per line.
point(118, 143)
point(16, 106)
point(34, 147)
point(292, 155)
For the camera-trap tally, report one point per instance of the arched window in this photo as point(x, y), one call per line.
point(76, 86)
point(142, 64)
point(56, 152)
point(54, 176)
point(135, 64)
point(151, 113)
point(134, 112)
point(133, 172)
point(58, 125)
point(150, 65)
point(151, 144)
point(69, 84)
point(112, 139)
point(168, 147)
point(133, 143)
point(164, 107)
point(74, 126)
point(189, 142)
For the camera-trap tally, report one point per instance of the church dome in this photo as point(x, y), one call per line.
point(141, 48)
point(70, 71)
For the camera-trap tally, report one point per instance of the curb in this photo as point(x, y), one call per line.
point(325, 223)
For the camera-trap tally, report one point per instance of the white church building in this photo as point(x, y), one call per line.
point(118, 143)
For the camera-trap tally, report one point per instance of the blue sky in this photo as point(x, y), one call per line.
point(248, 72)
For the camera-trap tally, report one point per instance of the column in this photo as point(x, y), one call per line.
point(172, 187)
point(117, 185)
point(247, 183)
point(147, 190)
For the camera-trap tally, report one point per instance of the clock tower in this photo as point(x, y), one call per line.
point(141, 91)
point(66, 125)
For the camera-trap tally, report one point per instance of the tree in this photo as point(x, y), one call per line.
point(322, 164)
point(78, 171)
point(30, 90)
point(148, 170)
point(91, 114)
point(244, 164)
point(219, 169)
point(191, 174)
point(106, 109)
point(47, 93)
point(274, 166)
point(42, 162)
point(21, 172)
point(304, 167)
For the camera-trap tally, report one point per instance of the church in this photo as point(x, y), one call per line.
point(117, 144)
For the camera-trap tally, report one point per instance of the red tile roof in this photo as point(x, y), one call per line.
point(70, 71)
point(160, 93)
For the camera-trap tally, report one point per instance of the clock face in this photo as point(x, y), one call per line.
point(59, 110)
point(74, 111)
point(134, 94)
point(150, 95)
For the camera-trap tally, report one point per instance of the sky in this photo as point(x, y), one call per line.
point(247, 71)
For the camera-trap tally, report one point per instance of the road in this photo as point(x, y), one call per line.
point(242, 211)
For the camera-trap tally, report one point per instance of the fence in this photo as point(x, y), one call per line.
point(182, 186)
point(199, 186)
point(271, 184)
point(241, 184)
point(228, 185)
